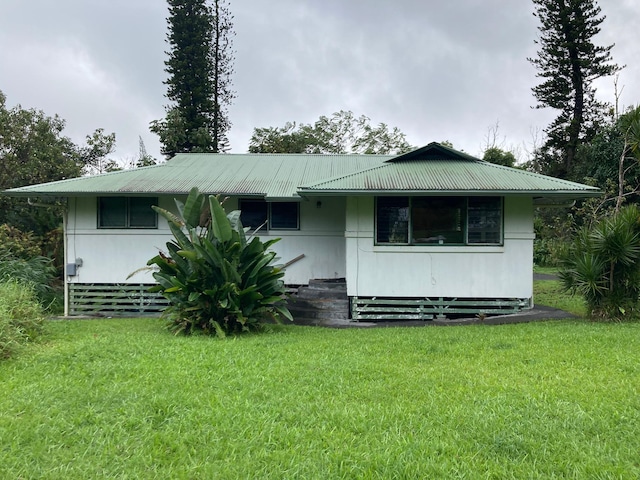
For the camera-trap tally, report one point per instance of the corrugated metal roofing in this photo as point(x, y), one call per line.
point(446, 176)
point(273, 176)
point(291, 175)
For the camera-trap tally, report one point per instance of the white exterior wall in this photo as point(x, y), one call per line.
point(440, 271)
point(110, 255)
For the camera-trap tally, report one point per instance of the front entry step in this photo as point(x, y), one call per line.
point(323, 302)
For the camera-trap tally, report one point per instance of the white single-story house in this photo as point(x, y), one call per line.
point(432, 227)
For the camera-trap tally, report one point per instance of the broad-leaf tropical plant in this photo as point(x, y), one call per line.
point(216, 279)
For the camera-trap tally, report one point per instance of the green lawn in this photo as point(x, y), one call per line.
point(549, 292)
point(117, 398)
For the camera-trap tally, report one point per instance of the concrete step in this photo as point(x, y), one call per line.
point(319, 303)
point(322, 290)
point(338, 323)
point(329, 284)
point(311, 312)
point(322, 302)
point(322, 294)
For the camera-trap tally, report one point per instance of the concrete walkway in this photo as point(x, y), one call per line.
point(537, 313)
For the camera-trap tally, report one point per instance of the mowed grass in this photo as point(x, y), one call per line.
point(122, 398)
point(551, 293)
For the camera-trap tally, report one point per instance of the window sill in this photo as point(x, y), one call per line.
point(438, 248)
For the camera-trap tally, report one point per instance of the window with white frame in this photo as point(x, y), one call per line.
point(277, 215)
point(127, 212)
point(439, 220)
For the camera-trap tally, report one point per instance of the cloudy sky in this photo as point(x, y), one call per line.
point(437, 69)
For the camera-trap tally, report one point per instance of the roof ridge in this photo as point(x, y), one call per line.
point(343, 176)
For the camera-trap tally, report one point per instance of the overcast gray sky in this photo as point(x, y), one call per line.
point(437, 69)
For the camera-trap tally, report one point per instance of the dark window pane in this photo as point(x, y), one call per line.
point(284, 215)
point(112, 212)
point(253, 213)
point(438, 220)
point(485, 220)
point(141, 215)
point(392, 220)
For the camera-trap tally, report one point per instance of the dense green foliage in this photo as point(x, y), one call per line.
point(342, 132)
point(603, 266)
point(499, 157)
point(568, 62)
point(609, 161)
point(21, 316)
point(117, 398)
point(36, 272)
point(18, 243)
point(217, 280)
point(199, 66)
point(32, 150)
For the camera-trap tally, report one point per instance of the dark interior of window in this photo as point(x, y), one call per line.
point(253, 213)
point(439, 220)
point(392, 220)
point(485, 220)
point(127, 212)
point(284, 215)
point(112, 212)
point(281, 215)
point(141, 215)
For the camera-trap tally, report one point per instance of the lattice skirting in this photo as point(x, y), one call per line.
point(377, 308)
point(114, 299)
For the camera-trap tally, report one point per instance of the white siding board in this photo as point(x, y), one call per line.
point(111, 255)
point(337, 240)
point(434, 271)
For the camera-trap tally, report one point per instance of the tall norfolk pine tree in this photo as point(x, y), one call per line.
point(200, 66)
point(222, 59)
point(568, 62)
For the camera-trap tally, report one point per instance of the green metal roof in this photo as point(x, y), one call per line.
point(433, 169)
point(448, 177)
point(272, 176)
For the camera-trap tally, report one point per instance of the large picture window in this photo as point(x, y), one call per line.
point(127, 212)
point(278, 215)
point(439, 220)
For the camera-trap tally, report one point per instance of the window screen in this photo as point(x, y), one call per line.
point(439, 220)
point(112, 212)
point(484, 220)
point(127, 212)
point(281, 215)
point(284, 215)
point(141, 215)
point(392, 220)
point(253, 213)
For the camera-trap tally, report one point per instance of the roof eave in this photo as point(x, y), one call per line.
point(527, 193)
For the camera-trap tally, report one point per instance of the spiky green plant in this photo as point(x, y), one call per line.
point(216, 279)
point(21, 316)
point(603, 266)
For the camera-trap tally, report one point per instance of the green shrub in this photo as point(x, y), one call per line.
point(20, 244)
point(21, 316)
point(547, 251)
point(603, 266)
point(216, 280)
point(36, 272)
